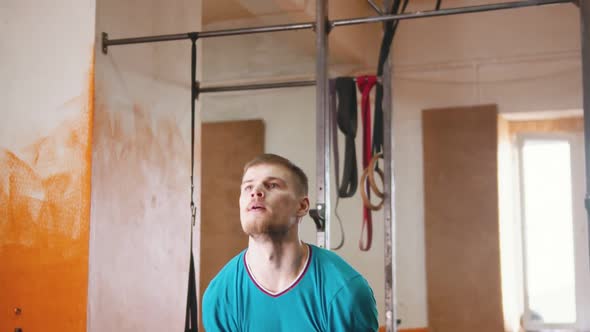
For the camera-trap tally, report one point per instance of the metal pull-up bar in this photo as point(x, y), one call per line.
point(258, 86)
point(254, 86)
point(106, 42)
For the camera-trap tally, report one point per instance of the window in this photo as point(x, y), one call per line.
point(554, 243)
point(546, 208)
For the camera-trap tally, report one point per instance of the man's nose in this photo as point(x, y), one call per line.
point(257, 192)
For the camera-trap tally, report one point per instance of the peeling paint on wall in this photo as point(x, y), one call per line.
point(44, 187)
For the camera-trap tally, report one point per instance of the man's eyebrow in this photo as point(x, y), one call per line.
point(270, 178)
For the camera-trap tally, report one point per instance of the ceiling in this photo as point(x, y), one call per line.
point(223, 10)
point(355, 45)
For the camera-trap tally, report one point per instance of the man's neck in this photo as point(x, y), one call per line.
point(276, 264)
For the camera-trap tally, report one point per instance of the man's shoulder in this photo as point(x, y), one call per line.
point(341, 281)
point(228, 273)
point(235, 263)
point(333, 265)
point(218, 306)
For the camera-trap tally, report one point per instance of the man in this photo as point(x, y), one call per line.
point(279, 283)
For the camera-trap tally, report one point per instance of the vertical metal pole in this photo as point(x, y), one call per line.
point(389, 188)
point(322, 122)
point(585, 25)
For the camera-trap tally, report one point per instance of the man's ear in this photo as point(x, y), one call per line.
point(303, 207)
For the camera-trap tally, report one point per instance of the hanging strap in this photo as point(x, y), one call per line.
point(334, 130)
point(369, 177)
point(335, 151)
point(347, 122)
point(438, 2)
point(388, 34)
point(365, 85)
point(191, 321)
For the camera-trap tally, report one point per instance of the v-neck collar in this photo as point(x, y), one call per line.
point(288, 288)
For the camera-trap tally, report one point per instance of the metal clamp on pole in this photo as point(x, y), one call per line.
point(196, 89)
point(319, 218)
point(104, 41)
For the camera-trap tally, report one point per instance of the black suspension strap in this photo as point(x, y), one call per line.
point(438, 2)
point(334, 132)
point(191, 321)
point(332, 102)
point(347, 122)
point(390, 28)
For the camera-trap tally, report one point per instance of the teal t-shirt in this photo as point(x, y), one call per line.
point(328, 296)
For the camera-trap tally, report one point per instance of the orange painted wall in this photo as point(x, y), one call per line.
point(44, 223)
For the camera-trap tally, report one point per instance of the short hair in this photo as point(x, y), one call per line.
point(273, 159)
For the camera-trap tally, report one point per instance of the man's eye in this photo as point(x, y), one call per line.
point(273, 185)
point(247, 188)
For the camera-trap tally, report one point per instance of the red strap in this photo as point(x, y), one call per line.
point(365, 84)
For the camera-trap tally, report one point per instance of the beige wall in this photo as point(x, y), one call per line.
point(522, 60)
point(46, 86)
point(140, 217)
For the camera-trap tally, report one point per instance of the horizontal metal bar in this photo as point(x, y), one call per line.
point(261, 86)
point(256, 86)
point(106, 42)
point(246, 31)
point(150, 39)
point(446, 12)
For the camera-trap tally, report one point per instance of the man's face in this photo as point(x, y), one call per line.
point(269, 201)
